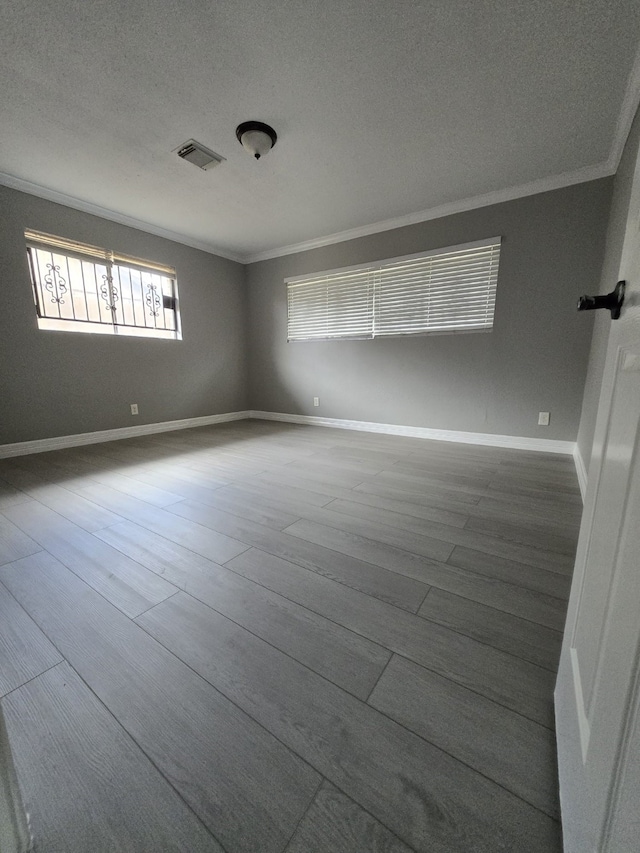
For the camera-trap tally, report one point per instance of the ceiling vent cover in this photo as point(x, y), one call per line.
point(200, 156)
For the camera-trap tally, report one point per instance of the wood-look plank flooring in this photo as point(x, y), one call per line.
point(269, 637)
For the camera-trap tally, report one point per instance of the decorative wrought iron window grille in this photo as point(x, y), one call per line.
point(82, 288)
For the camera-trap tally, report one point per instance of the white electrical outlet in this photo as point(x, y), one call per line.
point(134, 408)
point(543, 418)
point(316, 401)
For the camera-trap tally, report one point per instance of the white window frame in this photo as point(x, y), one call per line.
point(450, 290)
point(82, 288)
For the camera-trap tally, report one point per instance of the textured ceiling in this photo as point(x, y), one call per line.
point(382, 109)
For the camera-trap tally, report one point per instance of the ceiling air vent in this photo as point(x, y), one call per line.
point(200, 156)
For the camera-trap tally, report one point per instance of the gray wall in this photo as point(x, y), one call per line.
point(535, 359)
point(610, 268)
point(59, 383)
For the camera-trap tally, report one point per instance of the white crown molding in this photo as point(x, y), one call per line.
point(630, 104)
point(87, 207)
point(581, 471)
point(579, 176)
point(22, 448)
point(544, 445)
point(554, 182)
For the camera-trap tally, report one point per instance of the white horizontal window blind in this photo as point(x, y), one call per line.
point(447, 290)
point(335, 305)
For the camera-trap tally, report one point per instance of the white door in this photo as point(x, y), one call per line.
point(598, 690)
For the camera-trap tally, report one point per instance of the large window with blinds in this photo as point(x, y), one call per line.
point(83, 288)
point(445, 290)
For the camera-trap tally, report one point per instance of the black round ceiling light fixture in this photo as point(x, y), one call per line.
point(256, 137)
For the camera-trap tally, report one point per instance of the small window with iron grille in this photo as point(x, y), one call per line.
point(82, 288)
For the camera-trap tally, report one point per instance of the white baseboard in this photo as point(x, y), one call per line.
point(21, 448)
point(544, 445)
point(581, 471)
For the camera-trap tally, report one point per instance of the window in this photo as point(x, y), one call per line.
point(447, 290)
point(81, 288)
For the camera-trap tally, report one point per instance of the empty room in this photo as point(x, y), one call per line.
point(320, 427)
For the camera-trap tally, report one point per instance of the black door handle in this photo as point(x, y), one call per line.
point(613, 301)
